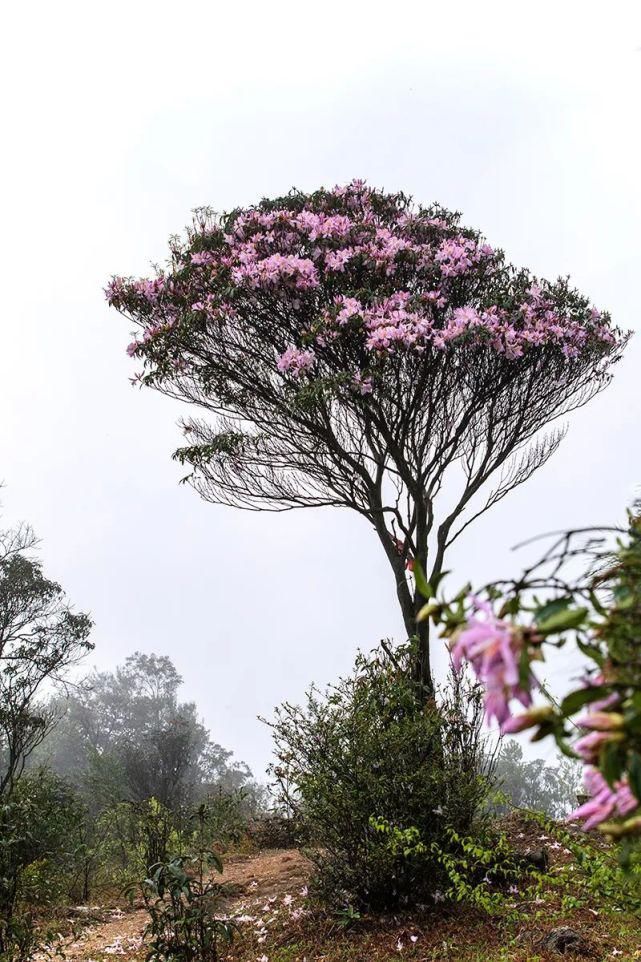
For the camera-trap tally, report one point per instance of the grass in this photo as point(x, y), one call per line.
point(583, 889)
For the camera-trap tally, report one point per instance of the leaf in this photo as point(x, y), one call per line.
point(431, 608)
point(611, 765)
point(552, 608)
point(562, 621)
point(596, 604)
point(591, 651)
point(634, 774)
point(511, 607)
point(583, 696)
point(422, 584)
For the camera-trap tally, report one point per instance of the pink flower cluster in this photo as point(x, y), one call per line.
point(354, 266)
point(493, 648)
point(457, 255)
point(295, 361)
point(605, 802)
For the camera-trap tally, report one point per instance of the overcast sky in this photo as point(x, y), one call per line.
point(117, 120)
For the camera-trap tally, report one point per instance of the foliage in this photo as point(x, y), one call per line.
point(594, 871)
point(39, 856)
point(40, 639)
point(181, 898)
point(353, 349)
point(275, 830)
point(125, 735)
point(140, 757)
point(365, 752)
point(600, 609)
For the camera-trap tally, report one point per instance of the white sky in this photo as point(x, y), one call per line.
point(118, 119)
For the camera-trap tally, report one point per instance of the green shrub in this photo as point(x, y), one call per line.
point(39, 857)
point(181, 898)
point(369, 751)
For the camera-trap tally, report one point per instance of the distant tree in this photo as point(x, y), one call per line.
point(40, 639)
point(125, 735)
point(535, 785)
point(351, 349)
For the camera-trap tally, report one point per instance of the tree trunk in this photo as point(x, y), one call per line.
point(411, 603)
point(420, 631)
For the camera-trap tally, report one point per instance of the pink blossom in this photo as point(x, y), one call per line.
point(364, 384)
point(493, 648)
point(336, 260)
point(605, 801)
point(302, 261)
point(589, 746)
point(295, 361)
point(203, 257)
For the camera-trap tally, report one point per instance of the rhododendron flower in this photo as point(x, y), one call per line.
point(605, 801)
point(493, 648)
point(527, 719)
point(295, 361)
point(601, 721)
point(589, 746)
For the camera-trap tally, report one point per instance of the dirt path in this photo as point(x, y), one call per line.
point(265, 878)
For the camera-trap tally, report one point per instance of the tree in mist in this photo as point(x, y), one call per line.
point(125, 735)
point(535, 785)
point(351, 349)
point(40, 639)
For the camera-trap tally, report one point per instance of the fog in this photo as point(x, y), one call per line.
point(119, 120)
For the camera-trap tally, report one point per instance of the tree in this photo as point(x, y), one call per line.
point(352, 349)
point(534, 785)
point(40, 639)
point(125, 735)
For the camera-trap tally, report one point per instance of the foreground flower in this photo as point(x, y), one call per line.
point(606, 802)
point(494, 649)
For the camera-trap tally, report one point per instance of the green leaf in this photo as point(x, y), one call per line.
point(591, 651)
point(422, 584)
point(552, 608)
point(432, 608)
point(634, 774)
point(562, 621)
point(583, 696)
point(611, 765)
point(511, 607)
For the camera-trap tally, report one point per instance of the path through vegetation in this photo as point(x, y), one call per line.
point(257, 881)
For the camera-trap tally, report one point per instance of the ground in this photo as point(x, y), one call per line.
point(276, 924)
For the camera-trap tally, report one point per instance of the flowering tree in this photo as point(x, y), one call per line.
point(351, 349)
point(600, 609)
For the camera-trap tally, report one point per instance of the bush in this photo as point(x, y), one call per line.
point(181, 898)
point(39, 857)
point(368, 752)
point(277, 831)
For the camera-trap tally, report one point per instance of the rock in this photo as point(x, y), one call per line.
point(537, 861)
point(565, 940)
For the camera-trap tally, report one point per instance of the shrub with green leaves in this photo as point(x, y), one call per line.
point(39, 857)
point(368, 750)
point(182, 899)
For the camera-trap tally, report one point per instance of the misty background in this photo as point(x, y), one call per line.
point(120, 120)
